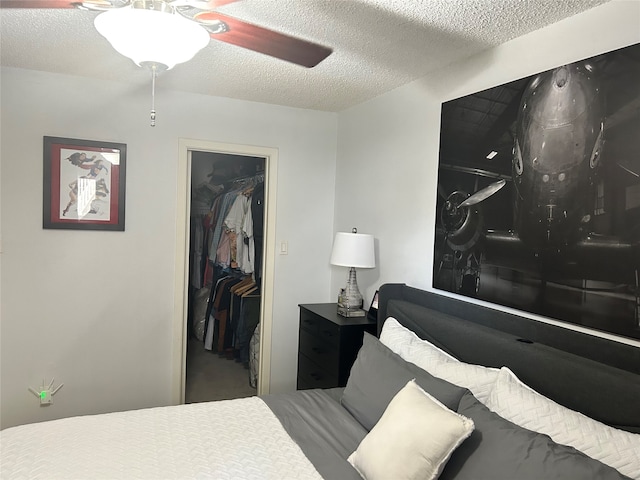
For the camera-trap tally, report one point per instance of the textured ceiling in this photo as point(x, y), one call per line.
point(377, 45)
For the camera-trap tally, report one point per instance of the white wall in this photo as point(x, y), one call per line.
point(385, 185)
point(388, 147)
point(94, 309)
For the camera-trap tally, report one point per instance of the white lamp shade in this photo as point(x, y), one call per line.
point(353, 250)
point(152, 36)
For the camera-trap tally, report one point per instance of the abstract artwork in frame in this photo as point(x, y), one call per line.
point(84, 184)
point(538, 203)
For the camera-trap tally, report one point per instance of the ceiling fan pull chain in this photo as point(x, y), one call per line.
point(153, 95)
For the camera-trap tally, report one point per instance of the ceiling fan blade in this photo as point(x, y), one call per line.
point(263, 40)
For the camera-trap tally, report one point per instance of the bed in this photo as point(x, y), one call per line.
point(449, 389)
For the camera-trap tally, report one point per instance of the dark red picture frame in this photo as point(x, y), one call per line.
point(84, 184)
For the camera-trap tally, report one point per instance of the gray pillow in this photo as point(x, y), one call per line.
point(378, 374)
point(498, 449)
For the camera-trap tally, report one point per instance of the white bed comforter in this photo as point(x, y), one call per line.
point(231, 439)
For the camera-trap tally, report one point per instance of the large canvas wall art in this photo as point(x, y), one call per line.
point(539, 194)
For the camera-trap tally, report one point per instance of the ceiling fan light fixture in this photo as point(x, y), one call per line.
point(150, 32)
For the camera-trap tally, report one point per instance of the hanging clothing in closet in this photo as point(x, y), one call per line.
point(222, 239)
point(234, 315)
point(203, 196)
point(230, 239)
point(236, 249)
point(234, 305)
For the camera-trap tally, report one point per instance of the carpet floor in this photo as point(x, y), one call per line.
point(212, 377)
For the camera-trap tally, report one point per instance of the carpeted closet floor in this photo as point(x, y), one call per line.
point(211, 377)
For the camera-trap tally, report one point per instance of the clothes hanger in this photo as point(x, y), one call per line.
point(245, 287)
point(241, 284)
point(250, 293)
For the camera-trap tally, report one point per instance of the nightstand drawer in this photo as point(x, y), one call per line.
point(309, 321)
point(329, 332)
point(317, 325)
point(319, 351)
point(311, 375)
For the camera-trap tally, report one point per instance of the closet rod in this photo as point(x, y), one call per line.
point(257, 176)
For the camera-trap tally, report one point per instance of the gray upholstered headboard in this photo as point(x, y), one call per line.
point(590, 374)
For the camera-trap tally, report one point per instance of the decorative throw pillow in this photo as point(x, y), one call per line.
point(520, 404)
point(438, 363)
point(413, 439)
point(500, 450)
point(378, 375)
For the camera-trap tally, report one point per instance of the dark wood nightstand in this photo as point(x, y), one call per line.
point(328, 345)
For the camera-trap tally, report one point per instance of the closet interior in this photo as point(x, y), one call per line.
point(225, 276)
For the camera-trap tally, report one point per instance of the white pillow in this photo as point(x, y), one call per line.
point(480, 380)
point(438, 363)
point(413, 439)
point(406, 343)
point(520, 404)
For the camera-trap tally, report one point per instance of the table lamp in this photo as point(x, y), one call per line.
point(353, 250)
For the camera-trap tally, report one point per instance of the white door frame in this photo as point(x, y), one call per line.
point(179, 357)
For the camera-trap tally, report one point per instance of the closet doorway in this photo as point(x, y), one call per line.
point(226, 196)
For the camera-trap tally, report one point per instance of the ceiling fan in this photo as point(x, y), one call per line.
point(220, 27)
point(158, 34)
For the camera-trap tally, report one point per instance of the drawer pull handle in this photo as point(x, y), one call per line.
point(327, 333)
point(316, 376)
point(317, 350)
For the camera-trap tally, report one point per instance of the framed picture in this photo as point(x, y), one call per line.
point(538, 203)
point(373, 309)
point(84, 184)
